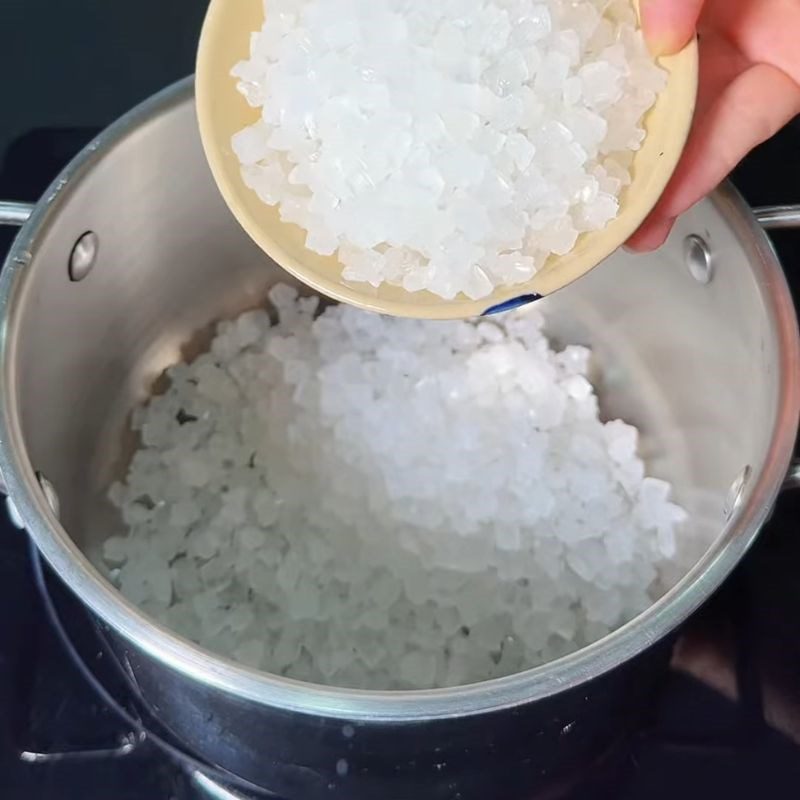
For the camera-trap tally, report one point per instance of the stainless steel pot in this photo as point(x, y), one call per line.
point(121, 268)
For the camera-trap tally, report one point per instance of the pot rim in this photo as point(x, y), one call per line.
point(31, 507)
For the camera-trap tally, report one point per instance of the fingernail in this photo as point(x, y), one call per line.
point(657, 24)
point(659, 45)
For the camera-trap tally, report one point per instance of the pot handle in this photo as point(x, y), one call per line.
point(771, 218)
point(15, 214)
point(792, 480)
point(776, 218)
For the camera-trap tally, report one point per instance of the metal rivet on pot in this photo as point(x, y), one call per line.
point(735, 494)
point(697, 256)
point(50, 494)
point(83, 256)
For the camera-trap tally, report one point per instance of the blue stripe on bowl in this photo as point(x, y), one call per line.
point(508, 305)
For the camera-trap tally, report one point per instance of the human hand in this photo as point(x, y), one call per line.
point(749, 89)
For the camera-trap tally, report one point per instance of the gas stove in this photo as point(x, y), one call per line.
point(727, 719)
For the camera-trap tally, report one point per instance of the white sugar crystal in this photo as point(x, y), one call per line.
point(387, 503)
point(115, 550)
point(250, 144)
point(451, 134)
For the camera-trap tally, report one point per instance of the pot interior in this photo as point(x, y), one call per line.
point(695, 366)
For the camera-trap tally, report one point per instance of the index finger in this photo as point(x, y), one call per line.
point(669, 24)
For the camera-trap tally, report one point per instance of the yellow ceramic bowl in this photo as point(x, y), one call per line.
point(222, 111)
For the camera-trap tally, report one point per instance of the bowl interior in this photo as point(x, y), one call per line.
point(222, 112)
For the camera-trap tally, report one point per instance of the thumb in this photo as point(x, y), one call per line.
point(669, 24)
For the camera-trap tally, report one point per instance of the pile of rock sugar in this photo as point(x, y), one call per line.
point(373, 502)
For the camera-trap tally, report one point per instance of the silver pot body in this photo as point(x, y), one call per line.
point(703, 360)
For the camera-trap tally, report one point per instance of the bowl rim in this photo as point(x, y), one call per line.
point(592, 248)
point(29, 504)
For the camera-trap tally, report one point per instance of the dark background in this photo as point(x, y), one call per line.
point(76, 63)
point(70, 68)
